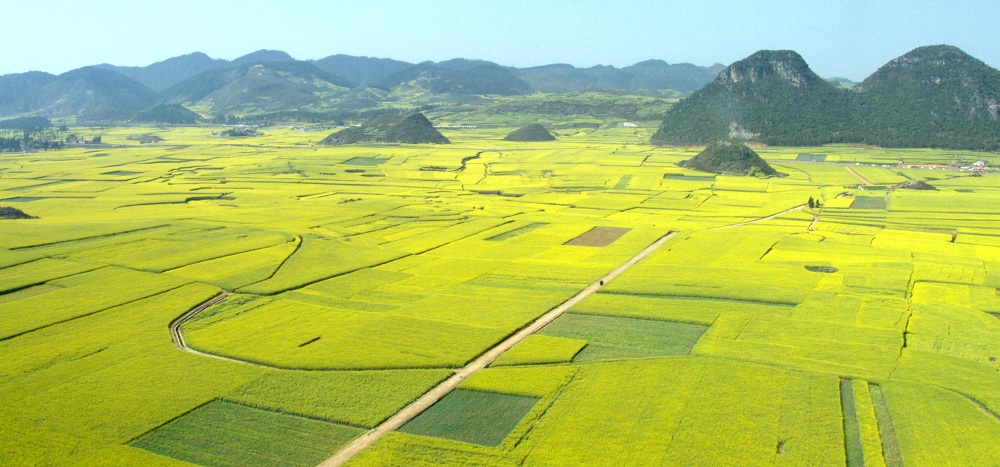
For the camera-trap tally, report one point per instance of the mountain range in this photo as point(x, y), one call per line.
point(270, 81)
point(934, 96)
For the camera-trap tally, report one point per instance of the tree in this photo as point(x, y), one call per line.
point(812, 204)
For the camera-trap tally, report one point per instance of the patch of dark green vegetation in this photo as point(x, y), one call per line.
point(145, 139)
point(890, 446)
point(121, 173)
point(935, 96)
point(310, 341)
point(806, 157)
point(7, 212)
point(223, 433)
point(241, 131)
point(411, 129)
point(518, 231)
point(689, 178)
point(365, 161)
point(869, 202)
point(852, 432)
point(915, 185)
point(26, 123)
point(613, 337)
point(729, 157)
point(24, 199)
point(623, 182)
point(964, 190)
point(476, 417)
point(533, 132)
point(823, 269)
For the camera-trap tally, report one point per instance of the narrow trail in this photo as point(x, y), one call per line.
point(772, 216)
point(864, 181)
point(177, 337)
point(445, 387)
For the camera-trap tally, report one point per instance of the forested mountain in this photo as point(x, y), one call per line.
point(770, 96)
point(88, 93)
point(935, 96)
point(162, 75)
point(932, 96)
point(362, 71)
point(483, 78)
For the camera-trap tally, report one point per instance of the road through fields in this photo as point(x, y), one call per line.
point(442, 389)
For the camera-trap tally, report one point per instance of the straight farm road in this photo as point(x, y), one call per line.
point(864, 181)
point(438, 392)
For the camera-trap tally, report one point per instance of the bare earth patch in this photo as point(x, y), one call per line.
point(598, 236)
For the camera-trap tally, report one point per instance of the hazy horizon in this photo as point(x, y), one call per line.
point(848, 39)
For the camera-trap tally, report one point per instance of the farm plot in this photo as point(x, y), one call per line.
point(364, 275)
point(222, 433)
point(477, 417)
point(616, 337)
point(599, 236)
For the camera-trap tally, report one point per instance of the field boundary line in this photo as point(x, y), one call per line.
point(761, 219)
point(442, 389)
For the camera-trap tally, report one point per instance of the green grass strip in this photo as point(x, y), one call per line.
point(852, 433)
point(890, 447)
point(518, 231)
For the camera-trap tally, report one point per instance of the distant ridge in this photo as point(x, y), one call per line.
point(256, 87)
point(362, 71)
point(647, 75)
point(483, 78)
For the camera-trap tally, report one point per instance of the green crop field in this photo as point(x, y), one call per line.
point(351, 280)
point(472, 416)
point(222, 433)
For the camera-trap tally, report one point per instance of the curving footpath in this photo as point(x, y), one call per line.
point(442, 389)
point(177, 337)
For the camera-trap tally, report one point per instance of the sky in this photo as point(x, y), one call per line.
point(843, 38)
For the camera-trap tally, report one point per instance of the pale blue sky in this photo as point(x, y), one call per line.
point(845, 38)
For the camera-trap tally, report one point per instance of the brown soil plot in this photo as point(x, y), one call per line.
point(598, 236)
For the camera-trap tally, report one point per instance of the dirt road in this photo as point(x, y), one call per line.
point(864, 181)
point(442, 389)
point(177, 337)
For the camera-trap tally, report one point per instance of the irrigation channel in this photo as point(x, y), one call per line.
point(442, 389)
